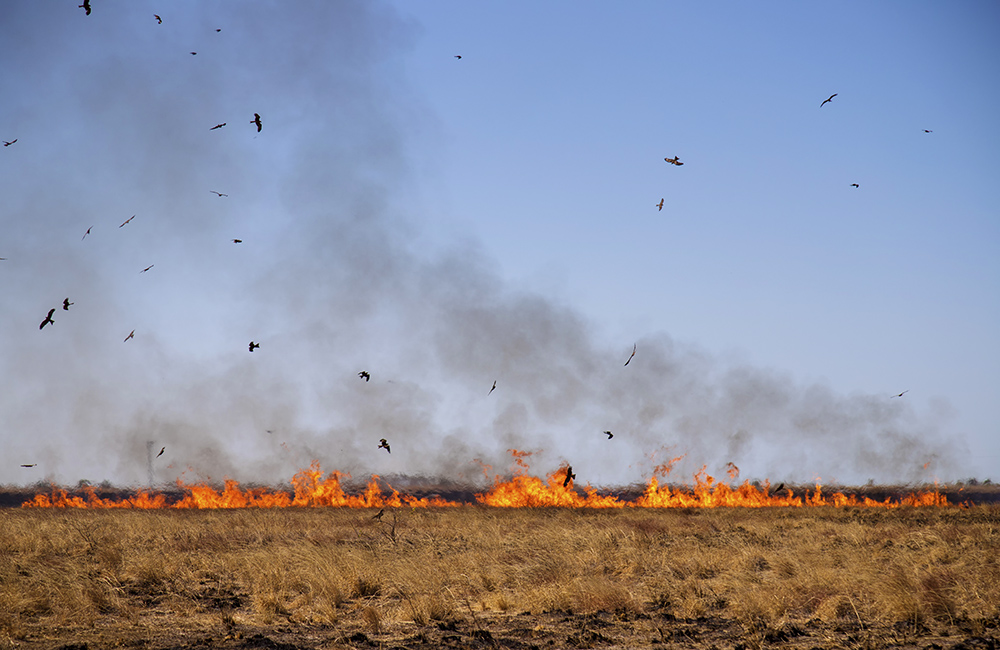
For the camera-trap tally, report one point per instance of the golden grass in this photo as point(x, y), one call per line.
point(68, 574)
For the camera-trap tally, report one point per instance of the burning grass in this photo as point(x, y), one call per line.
point(515, 577)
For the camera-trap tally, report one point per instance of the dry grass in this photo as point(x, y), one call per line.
point(766, 576)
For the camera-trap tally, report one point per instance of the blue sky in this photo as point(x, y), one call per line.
point(446, 223)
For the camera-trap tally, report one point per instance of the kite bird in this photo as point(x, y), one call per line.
point(900, 395)
point(213, 191)
point(159, 21)
point(609, 435)
point(7, 144)
point(383, 444)
point(147, 268)
point(162, 449)
point(928, 131)
point(126, 221)
point(778, 489)
point(828, 99)
point(492, 389)
point(237, 241)
point(256, 120)
point(85, 6)
point(569, 475)
point(458, 56)
point(254, 346)
point(674, 161)
point(194, 54)
point(48, 319)
point(379, 515)
point(633, 354)
point(659, 205)
point(217, 126)
point(130, 335)
point(86, 233)
point(29, 465)
point(364, 375)
point(66, 304)
point(855, 185)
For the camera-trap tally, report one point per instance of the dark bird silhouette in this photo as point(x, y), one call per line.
point(609, 435)
point(254, 346)
point(256, 120)
point(379, 515)
point(130, 335)
point(674, 161)
point(828, 99)
point(162, 449)
point(85, 234)
point(7, 144)
point(364, 375)
point(48, 319)
point(659, 205)
point(632, 355)
point(217, 126)
point(237, 241)
point(159, 21)
point(492, 389)
point(569, 475)
point(85, 6)
point(218, 30)
point(194, 53)
point(214, 192)
point(29, 465)
point(855, 185)
point(778, 489)
point(383, 444)
point(928, 131)
point(900, 395)
point(458, 56)
point(147, 268)
point(66, 304)
point(127, 220)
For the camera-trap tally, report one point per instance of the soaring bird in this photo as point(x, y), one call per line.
point(364, 375)
point(159, 21)
point(29, 465)
point(659, 205)
point(633, 353)
point(127, 220)
point(383, 444)
point(609, 435)
point(569, 475)
point(66, 304)
point(828, 99)
point(458, 56)
point(217, 126)
point(162, 449)
point(928, 131)
point(85, 6)
point(855, 185)
point(147, 268)
point(130, 335)
point(674, 161)
point(194, 54)
point(7, 144)
point(237, 241)
point(213, 191)
point(492, 389)
point(48, 319)
point(900, 395)
point(778, 489)
point(85, 234)
point(379, 515)
point(256, 120)
point(254, 346)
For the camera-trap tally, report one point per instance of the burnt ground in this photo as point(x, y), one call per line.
point(524, 631)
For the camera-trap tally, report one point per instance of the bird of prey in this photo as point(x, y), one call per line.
point(778, 489)
point(830, 98)
point(609, 435)
point(458, 56)
point(928, 131)
point(254, 346)
point(48, 319)
point(162, 449)
point(194, 53)
point(213, 191)
point(855, 185)
point(633, 354)
point(569, 475)
point(900, 395)
point(218, 30)
point(7, 144)
point(659, 205)
point(66, 304)
point(492, 389)
point(85, 234)
point(237, 241)
point(29, 465)
point(217, 126)
point(85, 6)
point(383, 444)
point(127, 220)
point(130, 335)
point(364, 375)
point(256, 120)
point(147, 268)
point(379, 515)
point(674, 161)
point(159, 21)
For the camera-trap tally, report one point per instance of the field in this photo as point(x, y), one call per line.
point(482, 577)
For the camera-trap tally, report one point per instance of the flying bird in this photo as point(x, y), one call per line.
point(85, 6)
point(659, 205)
point(674, 161)
point(778, 489)
point(66, 304)
point(29, 465)
point(213, 191)
point(147, 268)
point(828, 99)
point(379, 515)
point(162, 449)
point(130, 335)
point(218, 30)
point(492, 389)
point(458, 56)
point(928, 131)
point(193, 53)
point(85, 234)
point(569, 475)
point(237, 241)
point(7, 144)
point(855, 185)
point(256, 120)
point(383, 444)
point(364, 375)
point(254, 346)
point(900, 395)
point(633, 354)
point(609, 435)
point(159, 21)
point(48, 319)
point(126, 221)
point(217, 126)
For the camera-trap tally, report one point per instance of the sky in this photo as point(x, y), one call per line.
point(445, 223)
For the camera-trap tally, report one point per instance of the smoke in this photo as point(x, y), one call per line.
point(333, 278)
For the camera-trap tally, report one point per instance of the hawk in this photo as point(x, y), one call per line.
point(254, 346)
point(383, 444)
point(633, 354)
point(828, 99)
point(256, 120)
point(364, 375)
point(569, 475)
point(659, 205)
point(48, 319)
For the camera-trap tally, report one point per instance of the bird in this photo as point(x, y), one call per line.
point(855, 185)
point(632, 355)
point(492, 389)
point(85, 6)
point(7, 144)
point(254, 346)
point(379, 515)
point(382, 443)
point(127, 220)
point(256, 120)
point(900, 395)
point(162, 449)
point(218, 30)
point(66, 304)
point(237, 241)
point(217, 126)
point(48, 319)
point(29, 464)
point(458, 56)
point(659, 205)
point(86, 233)
point(159, 21)
point(925, 131)
point(778, 489)
point(364, 375)
point(830, 98)
point(214, 192)
point(130, 335)
point(569, 475)
point(609, 435)
point(674, 161)
point(194, 53)
point(147, 268)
